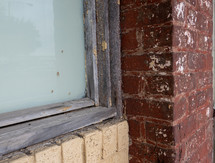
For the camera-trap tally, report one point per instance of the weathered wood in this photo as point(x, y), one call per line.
point(115, 55)
point(91, 50)
point(20, 136)
point(103, 50)
point(43, 111)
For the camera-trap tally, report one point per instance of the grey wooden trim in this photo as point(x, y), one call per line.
point(91, 50)
point(115, 55)
point(20, 136)
point(43, 111)
point(103, 50)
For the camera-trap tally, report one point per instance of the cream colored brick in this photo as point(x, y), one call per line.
point(73, 151)
point(122, 134)
point(49, 155)
point(93, 146)
point(109, 137)
point(121, 156)
point(118, 157)
point(25, 159)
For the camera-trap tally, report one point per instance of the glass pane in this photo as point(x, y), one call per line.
point(41, 52)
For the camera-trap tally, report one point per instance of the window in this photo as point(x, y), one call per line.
point(38, 38)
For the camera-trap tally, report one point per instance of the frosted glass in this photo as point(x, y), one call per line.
point(41, 52)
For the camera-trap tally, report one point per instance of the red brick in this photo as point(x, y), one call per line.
point(157, 36)
point(180, 107)
point(196, 61)
point(149, 108)
point(204, 42)
point(180, 62)
point(193, 143)
point(131, 19)
point(160, 133)
point(203, 79)
point(184, 38)
point(134, 128)
point(132, 84)
point(134, 63)
point(179, 11)
point(184, 83)
point(186, 127)
point(159, 85)
point(129, 41)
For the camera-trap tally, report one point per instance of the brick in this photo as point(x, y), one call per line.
point(122, 135)
point(25, 159)
point(183, 38)
point(157, 36)
point(184, 83)
point(152, 153)
point(180, 107)
point(129, 40)
point(149, 108)
point(160, 133)
point(179, 11)
point(206, 7)
point(109, 139)
point(186, 127)
point(49, 155)
point(134, 128)
point(203, 79)
point(196, 61)
point(73, 150)
point(159, 62)
point(93, 145)
point(160, 85)
point(148, 62)
point(133, 84)
point(192, 144)
point(201, 22)
point(204, 43)
point(131, 19)
point(180, 62)
point(156, 13)
point(118, 157)
point(134, 63)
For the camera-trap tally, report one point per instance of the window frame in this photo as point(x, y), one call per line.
point(23, 128)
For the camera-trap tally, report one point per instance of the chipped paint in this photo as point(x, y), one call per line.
point(189, 38)
point(154, 64)
point(180, 10)
point(104, 45)
point(66, 108)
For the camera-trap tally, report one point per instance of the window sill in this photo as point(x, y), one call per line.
point(25, 134)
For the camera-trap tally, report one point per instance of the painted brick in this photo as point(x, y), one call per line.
point(49, 155)
point(93, 146)
point(109, 139)
point(73, 150)
point(122, 135)
point(25, 159)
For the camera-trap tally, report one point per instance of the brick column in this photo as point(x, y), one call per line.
point(167, 79)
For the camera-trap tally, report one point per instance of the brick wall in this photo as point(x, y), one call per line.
point(167, 79)
point(102, 143)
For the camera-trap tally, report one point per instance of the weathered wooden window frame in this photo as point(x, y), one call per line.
point(23, 128)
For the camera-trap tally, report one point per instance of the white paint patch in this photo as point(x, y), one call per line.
point(180, 10)
point(180, 64)
point(208, 112)
point(189, 37)
point(154, 64)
